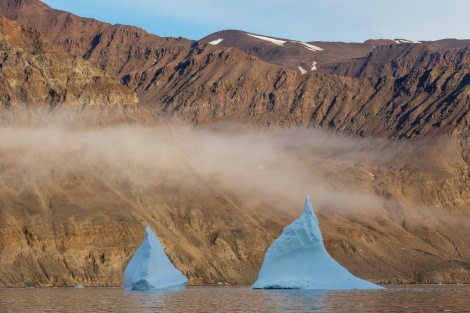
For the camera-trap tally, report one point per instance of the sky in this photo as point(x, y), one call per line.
point(303, 20)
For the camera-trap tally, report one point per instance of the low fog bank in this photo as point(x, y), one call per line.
point(340, 173)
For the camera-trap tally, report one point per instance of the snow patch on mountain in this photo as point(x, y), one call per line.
point(278, 42)
point(302, 70)
point(217, 41)
point(311, 47)
point(314, 66)
point(406, 41)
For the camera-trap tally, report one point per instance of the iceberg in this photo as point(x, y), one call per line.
point(297, 259)
point(150, 268)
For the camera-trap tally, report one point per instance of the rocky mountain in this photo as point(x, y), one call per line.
point(200, 82)
point(373, 58)
point(377, 133)
point(130, 54)
point(399, 60)
point(37, 74)
point(231, 85)
point(303, 57)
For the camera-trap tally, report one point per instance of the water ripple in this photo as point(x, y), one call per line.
point(400, 298)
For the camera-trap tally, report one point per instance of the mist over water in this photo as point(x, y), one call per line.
point(196, 181)
point(336, 171)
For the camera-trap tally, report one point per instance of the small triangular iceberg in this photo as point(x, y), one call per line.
point(297, 259)
point(150, 268)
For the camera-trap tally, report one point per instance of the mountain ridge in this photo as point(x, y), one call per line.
point(339, 57)
point(130, 54)
point(387, 156)
point(30, 80)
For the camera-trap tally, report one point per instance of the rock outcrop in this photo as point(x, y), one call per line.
point(370, 59)
point(231, 85)
point(72, 208)
point(128, 53)
point(396, 89)
point(35, 73)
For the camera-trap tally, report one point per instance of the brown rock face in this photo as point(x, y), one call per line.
point(294, 55)
point(407, 89)
point(399, 60)
point(230, 85)
point(34, 73)
point(373, 58)
point(130, 54)
point(74, 200)
point(80, 221)
point(423, 91)
point(217, 200)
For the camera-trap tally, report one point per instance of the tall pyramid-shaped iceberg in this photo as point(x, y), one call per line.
point(297, 259)
point(150, 268)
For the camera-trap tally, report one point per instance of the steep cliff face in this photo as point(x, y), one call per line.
point(403, 89)
point(390, 212)
point(372, 58)
point(75, 33)
point(302, 57)
point(128, 53)
point(74, 201)
point(34, 73)
point(211, 85)
point(51, 238)
point(399, 60)
point(80, 221)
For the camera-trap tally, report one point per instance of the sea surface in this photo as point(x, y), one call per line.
point(395, 298)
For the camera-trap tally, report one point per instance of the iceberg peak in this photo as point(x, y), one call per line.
point(297, 259)
point(308, 210)
point(150, 268)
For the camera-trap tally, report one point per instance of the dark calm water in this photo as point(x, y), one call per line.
point(397, 298)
